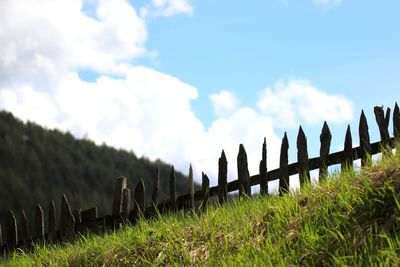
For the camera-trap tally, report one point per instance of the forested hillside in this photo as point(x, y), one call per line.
point(39, 165)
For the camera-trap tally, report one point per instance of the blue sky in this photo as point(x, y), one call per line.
point(181, 80)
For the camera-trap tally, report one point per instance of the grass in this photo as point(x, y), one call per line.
point(350, 219)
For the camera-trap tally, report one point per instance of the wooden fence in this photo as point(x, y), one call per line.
point(76, 222)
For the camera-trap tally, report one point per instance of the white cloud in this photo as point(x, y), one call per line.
point(298, 100)
point(224, 103)
point(166, 8)
point(327, 3)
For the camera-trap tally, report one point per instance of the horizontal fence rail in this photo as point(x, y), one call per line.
point(126, 210)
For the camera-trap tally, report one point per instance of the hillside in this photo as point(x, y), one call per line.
point(39, 165)
point(349, 219)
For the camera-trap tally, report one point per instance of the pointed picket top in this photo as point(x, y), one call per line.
point(348, 150)
point(52, 221)
point(283, 166)
point(325, 139)
point(120, 183)
point(67, 220)
point(383, 123)
point(222, 178)
point(39, 223)
point(205, 189)
point(140, 204)
point(243, 172)
point(23, 227)
point(365, 142)
point(191, 188)
point(172, 189)
point(263, 170)
point(396, 122)
point(12, 232)
point(302, 157)
point(156, 186)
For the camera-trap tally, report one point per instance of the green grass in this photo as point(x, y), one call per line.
point(350, 219)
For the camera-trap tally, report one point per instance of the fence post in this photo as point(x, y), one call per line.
point(302, 157)
point(39, 224)
point(52, 221)
point(383, 123)
point(205, 189)
point(243, 173)
point(12, 233)
point(23, 225)
point(325, 139)
point(396, 123)
point(263, 170)
point(222, 178)
point(156, 186)
point(139, 207)
point(67, 220)
point(120, 185)
point(365, 143)
point(126, 204)
point(191, 189)
point(348, 150)
point(283, 167)
point(172, 190)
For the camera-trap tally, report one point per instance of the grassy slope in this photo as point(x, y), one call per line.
point(348, 220)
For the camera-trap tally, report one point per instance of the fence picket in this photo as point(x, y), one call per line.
point(1, 237)
point(23, 227)
point(39, 224)
point(396, 123)
point(348, 150)
point(263, 170)
point(52, 222)
point(243, 173)
point(12, 233)
point(139, 208)
point(76, 213)
point(383, 123)
point(67, 220)
point(191, 189)
point(120, 185)
point(325, 139)
point(156, 186)
point(222, 178)
point(365, 142)
point(172, 189)
point(126, 204)
point(283, 166)
point(302, 157)
point(205, 190)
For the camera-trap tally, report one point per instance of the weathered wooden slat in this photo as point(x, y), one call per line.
point(76, 213)
point(348, 150)
point(23, 228)
point(172, 189)
point(67, 220)
point(263, 170)
point(126, 203)
point(12, 232)
point(222, 178)
point(365, 142)
point(139, 208)
point(302, 157)
point(205, 190)
point(383, 123)
point(39, 224)
point(243, 173)
point(325, 139)
point(156, 186)
point(283, 166)
point(1, 238)
point(396, 122)
point(52, 222)
point(191, 189)
point(120, 185)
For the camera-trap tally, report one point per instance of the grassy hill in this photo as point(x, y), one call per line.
point(350, 219)
point(38, 165)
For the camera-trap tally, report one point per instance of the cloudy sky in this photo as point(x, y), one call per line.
point(180, 80)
